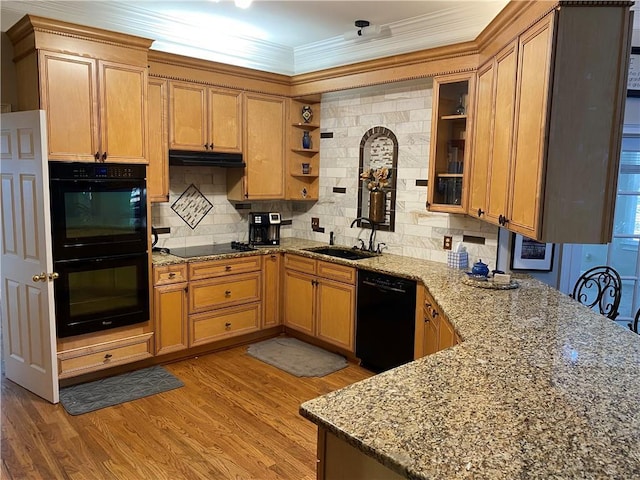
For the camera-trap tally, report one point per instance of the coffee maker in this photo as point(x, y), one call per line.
point(264, 228)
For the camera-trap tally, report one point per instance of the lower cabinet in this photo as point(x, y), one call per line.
point(319, 300)
point(98, 356)
point(170, 308)
point(271, 290)
point(224, 299)
point(434, 332)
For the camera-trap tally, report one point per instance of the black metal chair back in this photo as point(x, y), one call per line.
point(602, 287)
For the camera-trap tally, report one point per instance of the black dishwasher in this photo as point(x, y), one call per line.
point(385, 324)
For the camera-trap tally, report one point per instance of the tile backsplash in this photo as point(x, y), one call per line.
point(404, 108)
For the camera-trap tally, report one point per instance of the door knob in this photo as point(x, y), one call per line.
point(40, 278)
point(54, 276)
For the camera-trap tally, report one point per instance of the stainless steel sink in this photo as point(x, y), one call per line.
point(342, 252)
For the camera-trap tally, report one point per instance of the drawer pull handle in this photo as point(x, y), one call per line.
point(172, 274)
point(107, 356)
point(227, 293)
point(227, 325)
point(227, 268)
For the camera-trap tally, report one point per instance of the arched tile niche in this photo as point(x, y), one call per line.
point(378, 149)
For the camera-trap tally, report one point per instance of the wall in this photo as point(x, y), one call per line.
point(222, 224)
point(405, 109)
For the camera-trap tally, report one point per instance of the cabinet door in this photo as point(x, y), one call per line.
point(481, 142)
point(69, 95)
point(500, 158)
point(447, 336)
point(271, 290)
point(225, 120)
point(530, 128)
point(170, 316)
point(123, 112)
point(299, 296)
point(431, 333)
point(335, 315)
point(158, 171)
point(187, 116)
point(264, 146)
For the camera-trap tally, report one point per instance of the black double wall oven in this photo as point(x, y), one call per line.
point(100, 242)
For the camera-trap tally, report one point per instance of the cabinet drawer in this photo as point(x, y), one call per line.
point(302, 264)
point(165, 274)
point(97, 357)
point(224, 322)
point(223, 292)
point(219, 268)
point(333, 271)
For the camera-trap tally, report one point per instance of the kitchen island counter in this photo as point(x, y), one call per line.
point(540, 387)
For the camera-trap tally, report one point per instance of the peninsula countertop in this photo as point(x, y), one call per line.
point(540, 387)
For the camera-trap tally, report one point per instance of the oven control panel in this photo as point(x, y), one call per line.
point(60, 170)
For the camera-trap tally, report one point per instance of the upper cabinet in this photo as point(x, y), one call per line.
point(547, 134)
point(264, 151)
point(204, 118)
point(158, 171)
point(303, 155)
point(449, 159)
point(94, 92)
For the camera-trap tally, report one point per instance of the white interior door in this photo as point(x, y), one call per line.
point(28, 318)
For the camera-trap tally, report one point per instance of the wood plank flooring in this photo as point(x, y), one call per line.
point(235, 418)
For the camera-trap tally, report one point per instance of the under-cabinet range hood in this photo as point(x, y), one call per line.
point(205, 159)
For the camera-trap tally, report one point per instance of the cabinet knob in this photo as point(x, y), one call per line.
point(97, 156)
point(426, 319)
point(502, 220)
point(480, 212)
point(104, 156)
point(211, 146)
point(227, 293)
point(206, 146)
point(227, 268)
point(427, 304)
point(427, 204)
point(107, 356)
point(434, 314)
point(273, 257)
point(227, 325)
point(172, 274)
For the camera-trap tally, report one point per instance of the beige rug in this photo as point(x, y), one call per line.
point(296, 357)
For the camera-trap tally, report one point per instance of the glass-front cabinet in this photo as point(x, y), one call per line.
point(449, 159)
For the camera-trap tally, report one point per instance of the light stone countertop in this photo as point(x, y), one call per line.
point(541, 387)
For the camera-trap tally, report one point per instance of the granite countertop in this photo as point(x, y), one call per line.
point(540, 387)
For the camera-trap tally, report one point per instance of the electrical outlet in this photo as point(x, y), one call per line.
point(446, 244)
point(315, 223)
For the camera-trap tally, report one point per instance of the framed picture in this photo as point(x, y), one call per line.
point(527, 254)
point(633, 81)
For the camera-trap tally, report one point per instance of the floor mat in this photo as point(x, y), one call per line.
point(296, 357)
point(87, 397)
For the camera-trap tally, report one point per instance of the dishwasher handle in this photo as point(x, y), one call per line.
point(383, 287)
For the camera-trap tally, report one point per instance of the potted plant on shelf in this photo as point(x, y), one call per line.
point(377, 180)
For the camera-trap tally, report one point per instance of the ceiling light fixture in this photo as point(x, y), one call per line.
point(243, 3)
point(365, 30)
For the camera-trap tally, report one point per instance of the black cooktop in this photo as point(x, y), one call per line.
point(203, 250)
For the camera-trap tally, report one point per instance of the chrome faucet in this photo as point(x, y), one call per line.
point(373, 230)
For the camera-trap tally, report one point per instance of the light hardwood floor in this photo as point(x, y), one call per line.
point(236, 417)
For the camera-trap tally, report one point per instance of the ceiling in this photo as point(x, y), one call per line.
point(287, 37)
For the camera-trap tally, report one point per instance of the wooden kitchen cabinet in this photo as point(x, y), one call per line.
point(203, 118)
point(271, 290)
point(450, 158)
point(301, 184)
point(264, 151)
point(96, 110)
point(224, 298)
point(434, 332)
point(557, 99)
point(158, 170)
point(170, 308)
point(92, 85)
point(319, 300)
